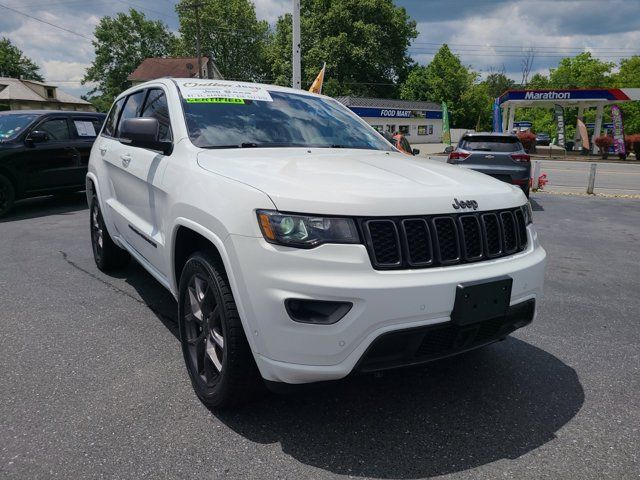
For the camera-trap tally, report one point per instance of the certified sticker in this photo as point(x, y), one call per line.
point(218, 90)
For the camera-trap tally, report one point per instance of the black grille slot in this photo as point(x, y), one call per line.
point(522, 229)
point(509, 232)
point(471, 237)
point(447, 240)
point(491, 226)
point(418, 238)
point(383, 237)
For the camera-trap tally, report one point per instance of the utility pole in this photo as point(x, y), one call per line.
point(296, 44)
point(196, 6)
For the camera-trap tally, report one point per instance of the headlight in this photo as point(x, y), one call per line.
point(306, 231)
point(527, 213)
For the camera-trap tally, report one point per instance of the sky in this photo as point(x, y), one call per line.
point(489, 35)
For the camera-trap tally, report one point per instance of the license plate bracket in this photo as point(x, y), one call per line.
point(481, 300)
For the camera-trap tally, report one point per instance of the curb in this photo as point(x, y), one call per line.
point(595, 195)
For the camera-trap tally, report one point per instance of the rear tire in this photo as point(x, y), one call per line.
point(107, 255)
point(216, 352)
point(7, 196)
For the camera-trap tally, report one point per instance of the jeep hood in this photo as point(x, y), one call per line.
point(357, 182)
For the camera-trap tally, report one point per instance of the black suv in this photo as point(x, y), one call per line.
point(44, 152)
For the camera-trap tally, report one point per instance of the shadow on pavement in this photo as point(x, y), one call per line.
point(46, 206)
point(456, 414)
point(535, 205)
point(499, 402)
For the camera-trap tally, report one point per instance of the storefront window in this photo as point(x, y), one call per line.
point(391, 129)
point(378, 128)
point(404, 129)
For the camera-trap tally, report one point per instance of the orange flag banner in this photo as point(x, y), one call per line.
point(316, 86)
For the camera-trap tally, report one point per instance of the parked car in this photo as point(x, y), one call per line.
point(499, 155)
point(543, 139)
point(44, 152)
point(299, 245)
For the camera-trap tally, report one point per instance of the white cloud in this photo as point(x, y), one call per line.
point(270, 10)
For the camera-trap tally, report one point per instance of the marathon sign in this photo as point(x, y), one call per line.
point(547, 95)
point(554, 95)
point(395, 113)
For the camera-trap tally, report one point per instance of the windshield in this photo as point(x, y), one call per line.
point(491, 144)
point(14, 124)
point(289, 120)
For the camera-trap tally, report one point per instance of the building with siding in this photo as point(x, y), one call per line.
point(16, 94)
point(420, 122)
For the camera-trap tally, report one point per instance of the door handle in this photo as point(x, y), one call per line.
point(126, 159)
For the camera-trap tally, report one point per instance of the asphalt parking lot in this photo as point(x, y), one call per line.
point(92, 382)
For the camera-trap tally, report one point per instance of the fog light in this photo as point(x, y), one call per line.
point(319, 312)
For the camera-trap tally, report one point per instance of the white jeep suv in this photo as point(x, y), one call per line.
point(299, 244)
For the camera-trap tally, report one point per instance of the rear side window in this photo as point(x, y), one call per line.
point(491, 144)
point(86, 127)
point(156, 107)
point(57, 128)
point(112, 119)
point(131, 108)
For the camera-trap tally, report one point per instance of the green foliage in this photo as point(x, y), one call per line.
point(445, 79)
point(629, 77)
point(497, 84)
point(121, 43)
point(231, 33)
point(476, 111)
point(581, 71)
point(363, 42)
point(14, 64)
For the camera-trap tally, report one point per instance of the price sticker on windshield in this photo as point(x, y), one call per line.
point(218, 90)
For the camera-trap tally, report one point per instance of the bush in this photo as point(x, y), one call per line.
point(528, 141)
point(632, 144)
point(604, 141)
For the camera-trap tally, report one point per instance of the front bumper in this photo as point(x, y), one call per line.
point(383, 301)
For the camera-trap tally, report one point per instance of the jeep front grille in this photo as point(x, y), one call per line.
point(441, 240)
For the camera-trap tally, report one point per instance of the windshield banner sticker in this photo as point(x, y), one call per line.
point(217, 90)
point(235, 101)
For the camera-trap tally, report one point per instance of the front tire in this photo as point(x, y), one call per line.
point(216, 352)
point(107, 255)
point(7, 195)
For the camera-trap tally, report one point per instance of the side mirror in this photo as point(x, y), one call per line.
point(415, 151)
point(449, 149)
point(144, 133)
point(38, 136)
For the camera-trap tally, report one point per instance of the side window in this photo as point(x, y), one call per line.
point(86, 127)
point(112, 119)
point(131, 108)
point(156, 107)
point(57, 128)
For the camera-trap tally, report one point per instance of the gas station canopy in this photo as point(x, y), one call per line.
point(578, 98)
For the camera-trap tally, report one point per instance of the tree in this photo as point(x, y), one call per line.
point(231, 33)
point(14, 64)
point(445, 79)
point(628, 76)
point(497, 83)
point(121, 44)
point(581, 71)
point(476, 111)
point(363, 42)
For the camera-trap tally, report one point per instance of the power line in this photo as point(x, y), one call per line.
point(515, 46)
point(45, 22)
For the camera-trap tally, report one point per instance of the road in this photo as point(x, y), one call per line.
point(92, 382)
point(611, 178)
point(572, 177)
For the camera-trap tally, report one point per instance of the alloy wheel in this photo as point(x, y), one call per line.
point(203, 329)
point(97, 232)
